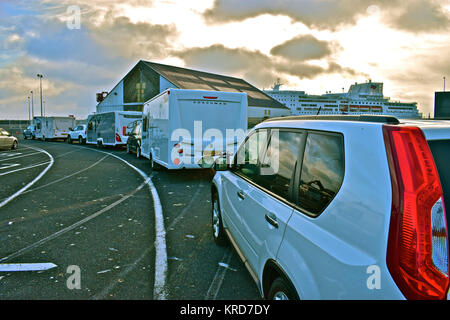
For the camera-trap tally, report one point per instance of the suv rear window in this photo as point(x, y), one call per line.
point(322, 171)
point(441, 154)
point(279, 162)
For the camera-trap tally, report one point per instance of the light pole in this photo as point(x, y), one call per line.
point(40, 76)
point(29, 110)
point(32, 105)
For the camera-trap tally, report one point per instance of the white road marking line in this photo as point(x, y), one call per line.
point(104, 293)
point(216, 284)
point(34, 166)
point(18, 193)
point(25, 168)
point(71, 227)
point(11, 157)
point(161, 264)
point(68, 176)
point(15, 267)
point(9, 165)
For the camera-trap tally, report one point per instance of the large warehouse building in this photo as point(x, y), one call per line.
point(148, 79)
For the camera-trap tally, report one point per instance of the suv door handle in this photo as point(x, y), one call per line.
point(272, 219)
point(241, 195)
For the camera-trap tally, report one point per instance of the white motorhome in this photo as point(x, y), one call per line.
point(184, 128)
point(111, 128)
point(48, 128)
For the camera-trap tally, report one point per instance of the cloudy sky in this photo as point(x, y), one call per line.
point(86, 46)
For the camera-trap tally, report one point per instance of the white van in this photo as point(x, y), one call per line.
point(53, 127)
point(111, 128)
point(184, 128)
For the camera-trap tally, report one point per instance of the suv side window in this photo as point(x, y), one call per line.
point(322, 171)
point(279, 162)
point(247, 157)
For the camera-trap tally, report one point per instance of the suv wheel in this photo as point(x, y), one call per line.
point(281, 290)
point(218, 232)
point(80, 140)
point(69, 140)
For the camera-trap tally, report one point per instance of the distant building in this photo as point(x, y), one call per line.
point(442, 104)
point(148, 79)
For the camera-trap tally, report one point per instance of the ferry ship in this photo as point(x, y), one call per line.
point(361, 98)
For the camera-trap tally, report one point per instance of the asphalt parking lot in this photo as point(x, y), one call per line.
point(87, 218)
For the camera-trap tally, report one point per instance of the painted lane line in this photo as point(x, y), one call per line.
point(34, 166)
point(9, 165)
point(216, 284)
point(25, 168)
point(18, 193)
point(21, 156)
point(15, 267)
point(161, 264)
point(71, 227)
point(68, 176)
point(104, 293)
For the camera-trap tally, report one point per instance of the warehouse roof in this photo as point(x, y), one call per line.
point(192, 79)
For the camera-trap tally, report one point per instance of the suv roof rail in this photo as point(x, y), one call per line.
point(363, 118)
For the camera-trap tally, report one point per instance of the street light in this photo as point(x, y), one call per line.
point(40, 76)
point(32, 105)
point(29, 110)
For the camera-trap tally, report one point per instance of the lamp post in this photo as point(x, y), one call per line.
point(32, 105)
point(29, 110)
point(40, 76)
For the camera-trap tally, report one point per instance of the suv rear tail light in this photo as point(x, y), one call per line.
point(118, 138)
point(417, 253)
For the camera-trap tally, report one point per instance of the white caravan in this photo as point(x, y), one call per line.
point(186, 128)
point(53, 127)
point(111, 128)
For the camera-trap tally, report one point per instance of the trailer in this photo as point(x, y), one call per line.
point(111, 128)
point(184, 128)
point(50, 128)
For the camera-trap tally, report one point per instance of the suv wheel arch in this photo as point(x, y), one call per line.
point(272, 271)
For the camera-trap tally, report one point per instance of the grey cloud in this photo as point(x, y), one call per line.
point(411, 15)
point(325, 14)
point(420, 16)
point(254, 66)
point(302, 48)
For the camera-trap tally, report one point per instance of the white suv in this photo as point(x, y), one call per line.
point(339, 207)
point(77, 134)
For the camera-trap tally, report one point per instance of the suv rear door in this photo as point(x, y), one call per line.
point(263, 202)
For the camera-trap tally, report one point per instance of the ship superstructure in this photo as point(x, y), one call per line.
point(361, 98)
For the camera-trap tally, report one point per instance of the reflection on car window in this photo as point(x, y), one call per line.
point(279, 163)
point(247, 157)
point(322, 171)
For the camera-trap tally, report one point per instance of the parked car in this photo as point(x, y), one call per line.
point(77, 134)
point(29, 132)
point(134, 139)
point(7, 140)
point(339, 207)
